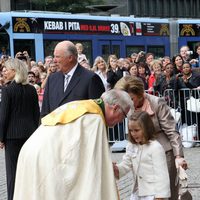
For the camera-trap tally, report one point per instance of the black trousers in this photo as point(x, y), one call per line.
point(12, 149)
point(172, 174)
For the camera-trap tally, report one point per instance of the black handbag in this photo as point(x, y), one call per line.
point(184, 193)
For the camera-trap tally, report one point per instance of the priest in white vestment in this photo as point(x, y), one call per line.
point(68, 157)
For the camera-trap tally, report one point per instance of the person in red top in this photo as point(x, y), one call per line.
point(156, 66)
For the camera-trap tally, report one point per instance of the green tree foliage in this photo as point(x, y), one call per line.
point(73, 6)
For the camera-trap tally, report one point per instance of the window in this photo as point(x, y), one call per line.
point(49, 46)
point(4, 41)
point(25, 45)
point(192, 46)
point(134, 49)
point(158, 51)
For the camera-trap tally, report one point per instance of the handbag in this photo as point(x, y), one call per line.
point(185, 196)
point(184, 193)
point(188, 134)
point(193, 104)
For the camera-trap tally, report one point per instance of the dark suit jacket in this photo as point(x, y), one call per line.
point(84, 84)
point(19, 111)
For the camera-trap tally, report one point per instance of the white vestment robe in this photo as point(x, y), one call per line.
point(67, 162)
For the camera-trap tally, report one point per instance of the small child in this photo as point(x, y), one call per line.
point(146, 158)
point(81, 56)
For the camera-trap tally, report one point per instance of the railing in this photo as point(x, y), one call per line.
point(188, 122)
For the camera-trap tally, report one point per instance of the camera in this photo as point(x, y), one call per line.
point(142, 52)
point(179, 75)
point(5, 57)
point(32, 81)
point(21, 56)
point(189, 53)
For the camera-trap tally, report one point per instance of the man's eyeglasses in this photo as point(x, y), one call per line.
point(125, 115)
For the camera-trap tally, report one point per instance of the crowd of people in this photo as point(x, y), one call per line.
point(158, 74)
point(115, 85)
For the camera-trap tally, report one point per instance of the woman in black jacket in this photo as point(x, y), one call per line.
point(19, 116)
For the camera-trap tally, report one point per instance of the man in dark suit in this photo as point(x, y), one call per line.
point(80, 83)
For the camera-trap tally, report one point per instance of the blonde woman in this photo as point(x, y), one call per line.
point(100, 68)
point(19, 116)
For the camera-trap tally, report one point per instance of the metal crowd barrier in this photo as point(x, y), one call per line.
point(186, 106)
point(185, 111)
point(118, 132)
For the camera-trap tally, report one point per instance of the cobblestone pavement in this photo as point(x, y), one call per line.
point(3, 191)
point(192, 156)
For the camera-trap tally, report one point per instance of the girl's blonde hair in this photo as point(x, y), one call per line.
point(79, 45)
point(145, 122)
point(109, 58)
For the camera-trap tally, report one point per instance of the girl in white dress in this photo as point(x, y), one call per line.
point(146, 158)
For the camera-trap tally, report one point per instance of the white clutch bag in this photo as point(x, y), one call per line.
point(193, 104)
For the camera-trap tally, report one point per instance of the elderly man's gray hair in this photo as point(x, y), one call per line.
point(118, 97)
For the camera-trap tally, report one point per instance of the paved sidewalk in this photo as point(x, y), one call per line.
point(3, 191)
point(192, 156)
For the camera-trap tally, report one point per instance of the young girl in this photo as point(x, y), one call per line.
point(133, 69)
point(146, 158)
point(81, 56)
